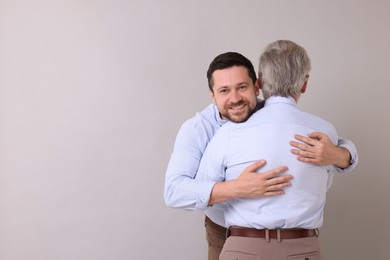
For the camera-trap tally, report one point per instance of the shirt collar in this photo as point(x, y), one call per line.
point(278, 99)
point(218, 118)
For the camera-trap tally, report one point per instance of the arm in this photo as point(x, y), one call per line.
point(318, 149)
point(251, 184)
point(183, 191)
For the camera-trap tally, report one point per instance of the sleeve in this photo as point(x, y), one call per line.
point(181, 189)
point(353, 152)
point(212, 167)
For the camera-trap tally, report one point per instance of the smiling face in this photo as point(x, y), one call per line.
point(234, 93)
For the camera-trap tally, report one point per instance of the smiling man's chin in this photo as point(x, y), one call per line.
point(238, 117)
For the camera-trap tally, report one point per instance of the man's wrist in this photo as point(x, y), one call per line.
point(222, 191)
point(344, 158)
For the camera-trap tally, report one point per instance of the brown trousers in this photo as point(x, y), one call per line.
point(216, 237)
point(248, 248)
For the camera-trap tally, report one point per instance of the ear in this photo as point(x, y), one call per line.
point(258, 86)
point(212, 96)
point(303, 89)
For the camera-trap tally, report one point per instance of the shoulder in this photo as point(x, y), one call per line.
point(318, 120)
point(204, 123)
point(207, 116)
point(322, 125)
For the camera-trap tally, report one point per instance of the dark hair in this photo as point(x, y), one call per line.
point(228, 60)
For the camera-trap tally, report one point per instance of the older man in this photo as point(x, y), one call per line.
point(273, 227)
point(235, 99)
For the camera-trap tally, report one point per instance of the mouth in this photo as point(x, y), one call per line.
point(237, 107)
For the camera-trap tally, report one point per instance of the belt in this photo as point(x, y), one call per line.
point(278, 234)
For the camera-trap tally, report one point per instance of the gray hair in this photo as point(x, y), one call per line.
point(283, 69)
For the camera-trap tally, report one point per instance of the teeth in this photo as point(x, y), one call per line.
point(238, 107)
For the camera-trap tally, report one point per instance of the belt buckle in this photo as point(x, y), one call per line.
point(227, 232)
point(317, 232)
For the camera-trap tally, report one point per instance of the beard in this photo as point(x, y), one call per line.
point(237, 116)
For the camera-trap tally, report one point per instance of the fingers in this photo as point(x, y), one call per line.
point(274, 183)
point(254, 166)
point(306, 159)
point(274, 172)
point(305, 149)
point(302, 153)
point(301, 147)
point(277, 189)
point(306, 140)
point(310, 139)
point(279, 182)
point(316, 135)
point(273, 193)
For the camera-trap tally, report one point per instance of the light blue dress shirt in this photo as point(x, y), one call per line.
point(266, 134)
point(181, 189)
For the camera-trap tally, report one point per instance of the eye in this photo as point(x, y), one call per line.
point(243, 87)
point(223, 91)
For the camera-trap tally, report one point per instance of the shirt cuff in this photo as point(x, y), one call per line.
point(203, 195)
point(354, 158)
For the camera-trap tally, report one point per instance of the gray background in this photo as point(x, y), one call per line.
point(92, 94)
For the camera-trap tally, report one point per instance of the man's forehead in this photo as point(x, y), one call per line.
point(231, 75)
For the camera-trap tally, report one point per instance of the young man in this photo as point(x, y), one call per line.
point(282, 226)
point(235, 98)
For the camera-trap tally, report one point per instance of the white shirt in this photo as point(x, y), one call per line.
point(266, 135)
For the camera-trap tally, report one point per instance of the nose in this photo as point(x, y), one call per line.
point(235, 96)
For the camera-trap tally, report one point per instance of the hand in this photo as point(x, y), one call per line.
point(318, 149)
point(251, 184)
